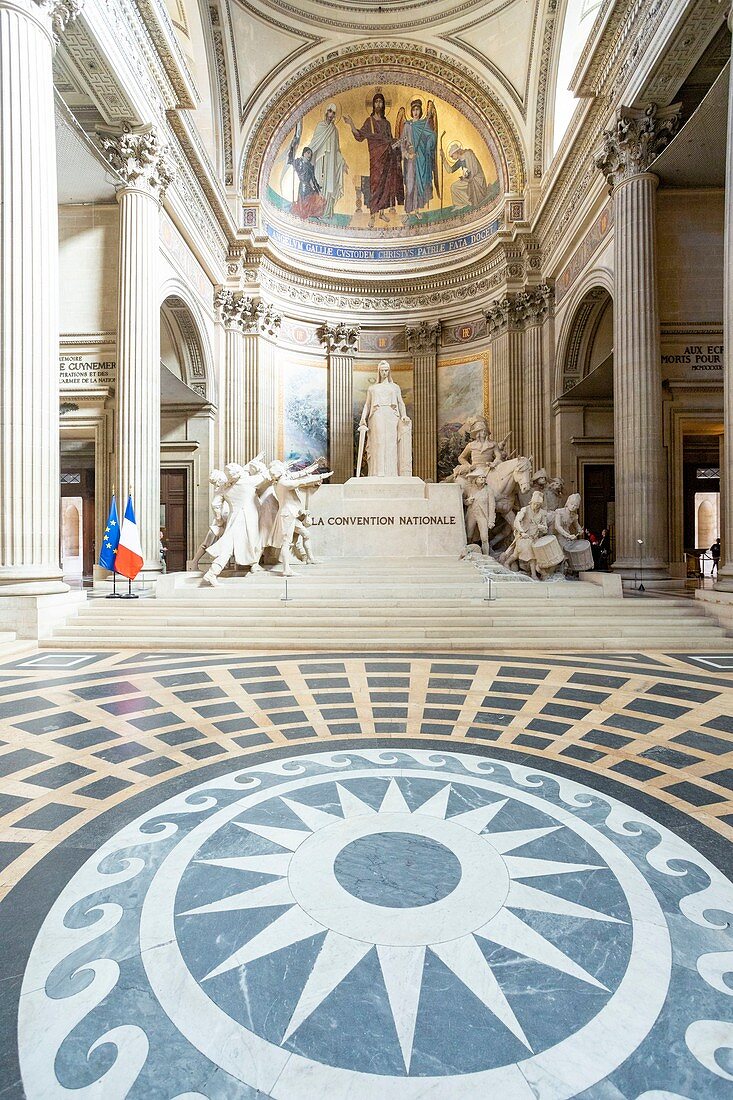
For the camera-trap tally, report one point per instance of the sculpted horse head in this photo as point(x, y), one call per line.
point(510, 475)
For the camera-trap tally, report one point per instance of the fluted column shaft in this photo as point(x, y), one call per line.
point(422, 341)
point(137, 397)
point(725, 572)
point(507, 386)
point(267, 398)
point(234, 397)
point(534, 396)
point(29, 328)
point(641, 492)
point(341, 415)
point(249, 395)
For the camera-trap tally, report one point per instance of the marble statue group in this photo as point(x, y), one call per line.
point(518, 516)
point(257, 507)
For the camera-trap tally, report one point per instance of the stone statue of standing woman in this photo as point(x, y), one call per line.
point(387, 427)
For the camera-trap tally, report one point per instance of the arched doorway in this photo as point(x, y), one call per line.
point(584, 407)
point(186, 433)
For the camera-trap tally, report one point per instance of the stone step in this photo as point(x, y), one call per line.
point(306, 631)
point(476, 606)
point(496, 644)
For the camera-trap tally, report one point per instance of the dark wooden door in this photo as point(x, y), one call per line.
point(598, 492)
point(174, 517)
point(78, 482)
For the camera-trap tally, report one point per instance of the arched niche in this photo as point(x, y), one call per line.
point(183, 352)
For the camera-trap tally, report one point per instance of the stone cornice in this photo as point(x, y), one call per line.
point(513, 260)
point(635, 141)
point(619, 50)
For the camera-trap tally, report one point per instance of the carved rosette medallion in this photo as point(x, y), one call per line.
point(636, 140)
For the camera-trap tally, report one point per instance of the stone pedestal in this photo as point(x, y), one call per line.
point(29, 330)
point(390, 517)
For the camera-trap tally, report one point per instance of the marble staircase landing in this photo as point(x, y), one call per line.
point(400, 605)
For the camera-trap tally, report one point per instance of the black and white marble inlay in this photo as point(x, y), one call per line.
point(385, 923)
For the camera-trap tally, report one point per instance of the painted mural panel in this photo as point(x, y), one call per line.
point(303, 387)
point(390, 158)
point(364, 376)
point(463, 393)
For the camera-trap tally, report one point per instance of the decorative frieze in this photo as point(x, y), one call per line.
point(636, 140)
point(140, 157)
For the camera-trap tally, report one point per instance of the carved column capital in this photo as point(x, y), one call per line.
point(237, 310)
point(61, 13)
point(533, 305)
point(635, 140)
point(268, 319)
point(340, 339)
point(422, 339)
point(140, 156)
point(501, 315)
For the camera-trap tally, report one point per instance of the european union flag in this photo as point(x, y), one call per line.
point(110, 538)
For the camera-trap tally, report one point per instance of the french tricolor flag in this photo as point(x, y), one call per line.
point(129, 557)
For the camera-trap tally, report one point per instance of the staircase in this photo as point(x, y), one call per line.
point(432, 604)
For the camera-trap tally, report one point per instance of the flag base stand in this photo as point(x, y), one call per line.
point(114, 594)
point(129, 595)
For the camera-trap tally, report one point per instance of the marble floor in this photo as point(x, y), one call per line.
point(366, 876)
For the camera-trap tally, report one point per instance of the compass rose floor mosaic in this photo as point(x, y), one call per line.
point(366, 876)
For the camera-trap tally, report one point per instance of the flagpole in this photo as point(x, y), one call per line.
point(114, 594)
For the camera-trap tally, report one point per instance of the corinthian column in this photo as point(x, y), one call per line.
point(341, 342)
point(29, 328)
point(422, 342)
point(636, 139)
point(505, 330)
point(140, 158)
point(268, 327)
point(535, 307)
point(725, 571)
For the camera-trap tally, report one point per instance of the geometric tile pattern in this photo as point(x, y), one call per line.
point(82, 733)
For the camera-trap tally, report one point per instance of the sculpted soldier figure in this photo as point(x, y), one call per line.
point(220, 508)
point(293, 491)
point(241, 537)
point(529, 526)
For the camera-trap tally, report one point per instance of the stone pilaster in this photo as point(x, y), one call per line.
point(725, 570)
point(268, 327)
point(636, 139)
point(422, 342)
point(29, 327)
point(139, 156)
point(341, 342)
point(535, 306)
point(505, 331)
point(238, 314)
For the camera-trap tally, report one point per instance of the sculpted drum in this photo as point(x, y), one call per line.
point(580, 554)
point(548, 552)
